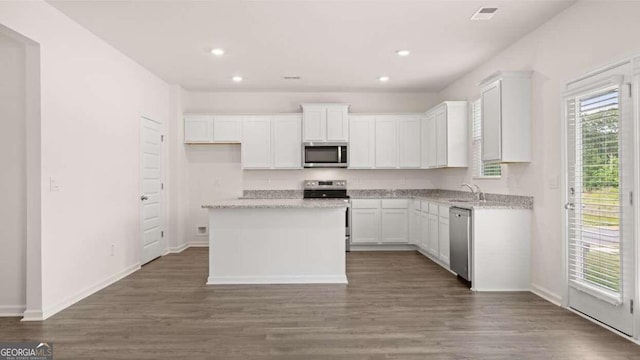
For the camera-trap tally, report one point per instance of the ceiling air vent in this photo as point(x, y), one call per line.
point(291, 78)
point(484, 13)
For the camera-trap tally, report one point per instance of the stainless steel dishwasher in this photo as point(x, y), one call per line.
point(461, 242)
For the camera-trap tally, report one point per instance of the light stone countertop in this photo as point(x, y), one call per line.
point(442, 197)
point(276, 204)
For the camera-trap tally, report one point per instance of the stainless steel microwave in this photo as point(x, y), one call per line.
point(324, 154)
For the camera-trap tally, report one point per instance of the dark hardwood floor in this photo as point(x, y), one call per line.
point(398, 305)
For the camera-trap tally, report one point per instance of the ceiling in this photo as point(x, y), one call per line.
point(333, 45)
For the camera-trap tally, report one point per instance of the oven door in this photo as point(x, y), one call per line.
point(324, 155)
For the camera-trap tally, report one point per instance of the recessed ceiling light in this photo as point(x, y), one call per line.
point(484, 13)
point(383, 78)
point(217, 52)
point(237, 78)
point(403, 52)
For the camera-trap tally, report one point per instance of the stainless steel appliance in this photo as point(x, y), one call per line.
point(331, 189)
point(324, 154)
point(460, 242)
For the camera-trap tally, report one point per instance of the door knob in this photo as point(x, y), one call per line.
point(143, 198)
point(570, 206)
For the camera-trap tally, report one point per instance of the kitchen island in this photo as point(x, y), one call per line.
point(277, 241)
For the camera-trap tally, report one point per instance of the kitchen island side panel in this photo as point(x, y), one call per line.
point(277, 246)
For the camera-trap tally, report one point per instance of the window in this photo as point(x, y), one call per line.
point(480, 169)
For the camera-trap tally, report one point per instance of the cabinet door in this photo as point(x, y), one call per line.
point(432, 143)
point(287, 142)
point(198, 129)
point(443, 240)
point(433, 235)
point(491, 122)
point(227, 128)
point(441, 130)
point(424, 142)
point(414, 226)
point(424, 231)
point(337, 124)
point(365, 226)
point(362, 142)
point(394, 226)
point(314, 123)
point(256, 143)
point(409, 142)
point(386, 143)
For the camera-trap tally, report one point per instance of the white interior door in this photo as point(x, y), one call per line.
point(151, 197)
point(600, 220)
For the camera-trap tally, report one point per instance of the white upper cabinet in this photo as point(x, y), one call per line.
point(325, 122)
point(445, 136)
point(198, 128)
point(506, 117)
point(441, 136)
point(362, 146)
point(409, 142)
point(272, 142)
point(386, 142)
point(286, 133)
point(337, 123)
point(212, 129)
point(256, 143)
point(227, 128)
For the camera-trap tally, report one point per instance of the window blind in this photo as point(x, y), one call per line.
point(594, 180)
point(480, 169)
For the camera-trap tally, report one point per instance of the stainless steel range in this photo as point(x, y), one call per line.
point(330, 189)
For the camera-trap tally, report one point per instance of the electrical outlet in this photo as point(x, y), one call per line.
point(202, 231)
point(53, 185)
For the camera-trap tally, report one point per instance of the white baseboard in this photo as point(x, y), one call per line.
point(263, 280)
point(52, 310)
point(32, 315)
point(546, 294)
point(199, 243)
point(383, 247)
point(176, 249)
point(12, 310)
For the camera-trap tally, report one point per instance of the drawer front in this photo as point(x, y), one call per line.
point(444, 211)
point(365, 204)
point(416, 204)
point(395, 204)
point(433, 209)
point(424, 206)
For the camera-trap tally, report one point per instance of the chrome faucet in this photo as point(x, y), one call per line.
point(470, 188)
point(480, 194)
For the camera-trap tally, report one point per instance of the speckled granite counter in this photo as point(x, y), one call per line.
point(444, 197)
point(275, 204)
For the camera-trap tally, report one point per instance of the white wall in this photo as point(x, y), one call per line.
point(92, 97)
point(582, 38)
point(214, 173)
point(13, 208)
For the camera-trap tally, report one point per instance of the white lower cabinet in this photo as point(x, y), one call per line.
point(433, 235)
point(443, 235)
point(375, 221)
point(394, 226)
point(424, 230)
point(365, 226)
